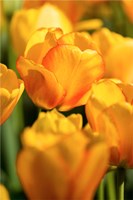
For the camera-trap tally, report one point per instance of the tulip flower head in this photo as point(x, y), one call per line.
point(117, 52)
point(58, 161)
point(11, 89)
point(58, 70)
point(110, 112)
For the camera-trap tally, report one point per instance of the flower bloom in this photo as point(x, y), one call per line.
point(26, 21)
point(58, 69)
point(4, 195)
point(11, 89)
point(58, 161)
point(110, 111)
point(67, 7)
point(117, 53)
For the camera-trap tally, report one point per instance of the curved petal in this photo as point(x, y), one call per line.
point(8, 75)
point(127, 90)
point(119, 62)
point(42, 174)
point(120, 117)
point(80, 39)
point(102, 95)
point(106, 39)
point(41, 85)
point(40, 42)
point(83, 185)
point(75, 70)
point(8, 101)
point(51, 16)
point(22, 25)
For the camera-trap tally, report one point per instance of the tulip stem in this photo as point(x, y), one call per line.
point(101, 191)
point(10, 148)
point(120, 183)
point(111, 186)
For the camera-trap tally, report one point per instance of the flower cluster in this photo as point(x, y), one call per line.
point(63, 67)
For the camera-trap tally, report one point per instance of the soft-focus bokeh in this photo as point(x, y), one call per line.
point(110, 25)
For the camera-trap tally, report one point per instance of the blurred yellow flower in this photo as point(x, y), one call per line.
point(11, 89)
point(110, 112)
point(58, 161)
point(4, 195)
point(58, 71)
point(49, 14)
point(26, 21)
point(117, 52)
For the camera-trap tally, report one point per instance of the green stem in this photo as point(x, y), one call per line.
point(120, 183)
point(111, 186)
point(10, 148)
point(101, 191)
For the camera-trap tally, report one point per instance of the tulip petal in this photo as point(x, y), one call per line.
point(103, 94)
point(7, 75)
point(118, 66)
point(8, 102)
point(11, 89)
point(118, 128)
point(41, 85)
point(127, 90)
point(82, 40)
point(42, 174)
point(40, 42)
point(75, 70)
point(84, 182)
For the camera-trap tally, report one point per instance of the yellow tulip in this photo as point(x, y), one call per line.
point(11, 89)
point(58, 161)
point(67, 7)
point(117, 53)
point(4, 195)
point(41, 14)
point(110, 112)
point(26, 21)
point(58, 71)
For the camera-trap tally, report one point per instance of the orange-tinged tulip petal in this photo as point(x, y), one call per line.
point(80, 39)
point(127, 90)
point(26, 21)
point(4, 195)
point(11, 89)
point(117, 54)
point(110, 113)
point(84, 187)
point(75, 70)
point(41, 85)
point(117, 122)
point(58, 169)
point(41, 42)
point(105, 39)
point(119, 61)
point(102, 95)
